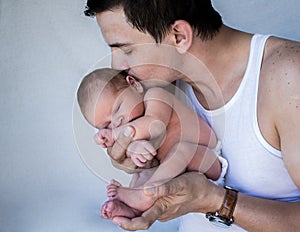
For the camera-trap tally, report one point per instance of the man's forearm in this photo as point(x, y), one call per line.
point(256, 214)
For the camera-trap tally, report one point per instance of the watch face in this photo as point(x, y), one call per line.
point(219, 221)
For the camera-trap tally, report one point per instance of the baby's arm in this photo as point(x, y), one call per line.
point(150, 129)
point(140, 152)
point(152, 126)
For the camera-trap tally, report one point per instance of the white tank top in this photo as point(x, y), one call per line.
point(255, 167)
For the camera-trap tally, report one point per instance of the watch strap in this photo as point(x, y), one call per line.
point(228, 204)
point(224, 216)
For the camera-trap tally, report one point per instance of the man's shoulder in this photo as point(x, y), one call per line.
point(279, 87)
point(281, 54)
point(281, 63)
point(279, 84)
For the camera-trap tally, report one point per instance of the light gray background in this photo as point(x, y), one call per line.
point(46, 47)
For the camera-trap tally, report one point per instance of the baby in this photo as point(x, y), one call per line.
point(165, 129)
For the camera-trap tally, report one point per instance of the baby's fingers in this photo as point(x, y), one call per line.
point(151, 150)
point(137, 161)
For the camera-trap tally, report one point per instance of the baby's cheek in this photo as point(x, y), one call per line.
point(137, 111)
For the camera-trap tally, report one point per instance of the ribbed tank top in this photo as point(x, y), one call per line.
point(255, 167)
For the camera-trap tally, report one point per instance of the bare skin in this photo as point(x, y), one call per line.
point(175, 199)
point(115, 208)
point(278, 113)
point(134, 196)
point(185, 146)
point(127, 202)
point(174, 196)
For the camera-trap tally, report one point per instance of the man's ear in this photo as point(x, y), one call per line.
point(135, 84)
point(183, 35)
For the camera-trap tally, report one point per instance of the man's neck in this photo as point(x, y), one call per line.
point(221, 64)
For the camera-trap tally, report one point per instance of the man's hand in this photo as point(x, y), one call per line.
point(118, 151)
point(190, 192)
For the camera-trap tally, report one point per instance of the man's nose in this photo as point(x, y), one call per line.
point(118, 61)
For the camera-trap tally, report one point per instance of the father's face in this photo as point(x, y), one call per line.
point(136, 51)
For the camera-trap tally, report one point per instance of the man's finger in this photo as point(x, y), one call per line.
point(175, 185)
point(118, 150)
point(163, 189)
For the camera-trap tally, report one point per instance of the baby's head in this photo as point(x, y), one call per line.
point(109, 98)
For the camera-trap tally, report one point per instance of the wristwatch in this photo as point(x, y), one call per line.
point(224, 216)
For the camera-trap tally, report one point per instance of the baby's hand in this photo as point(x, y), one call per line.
point(104, 138)
point(140, 152)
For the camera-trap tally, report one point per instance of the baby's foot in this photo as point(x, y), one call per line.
point(135, 198)
point(116, 208)
point(112, 189)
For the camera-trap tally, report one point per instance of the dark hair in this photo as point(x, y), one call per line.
point(157, 16)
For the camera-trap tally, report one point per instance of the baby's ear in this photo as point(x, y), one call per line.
point(135, 84)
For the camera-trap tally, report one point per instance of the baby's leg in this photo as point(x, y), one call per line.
point(174, 163)
point(187, 156)
point(206, 161)
point(116, 208)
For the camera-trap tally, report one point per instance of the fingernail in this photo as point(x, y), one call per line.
point(128, 132)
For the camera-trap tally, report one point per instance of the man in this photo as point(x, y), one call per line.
point(246, 86)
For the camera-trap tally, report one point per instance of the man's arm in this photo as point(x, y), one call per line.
point(192, 192)
point(279, 100)
point(286, 102)
point(255, 214)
